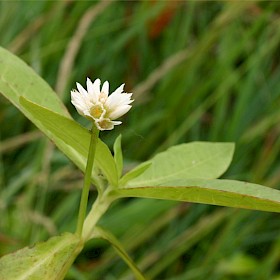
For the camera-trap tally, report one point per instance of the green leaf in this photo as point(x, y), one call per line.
point(45, 261)
point(192, 160)
point(103, 234)
point(135, 172)
point(18, 79)
point(216, 192)
point(118, 157)
point(71, 138)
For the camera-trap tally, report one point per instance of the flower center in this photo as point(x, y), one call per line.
point(96, 111)
point(106, 124)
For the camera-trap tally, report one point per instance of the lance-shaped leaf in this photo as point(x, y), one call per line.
point(45, 261)
point(216, 192)
point(202, 160)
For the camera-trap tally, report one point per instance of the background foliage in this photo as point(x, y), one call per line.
point(199, 71)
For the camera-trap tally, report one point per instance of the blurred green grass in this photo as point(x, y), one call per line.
point(199, 71)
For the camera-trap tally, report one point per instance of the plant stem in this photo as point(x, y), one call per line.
point(87, 179)
point(100, 206)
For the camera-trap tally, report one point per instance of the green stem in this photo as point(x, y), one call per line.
point(100, 206)
point(87, 179)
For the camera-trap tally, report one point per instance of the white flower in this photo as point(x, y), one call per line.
point(98, 106)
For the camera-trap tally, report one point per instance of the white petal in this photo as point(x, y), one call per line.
point(112, 100)
point(79, 101)
point(117, 99)
point(81, 89)
point(93, 89)
point(105, 88)
point(116, 122)
point(128, 95)
point(119, 111)
point(125, 99)
point(78, 98)
point(119, 89)
point(89, 86)
point(76, 95)
point(79, 108)
point(96, 87)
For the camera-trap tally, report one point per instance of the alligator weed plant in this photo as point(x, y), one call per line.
point(186, 172)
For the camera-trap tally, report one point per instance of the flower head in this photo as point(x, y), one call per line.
point(98, 106)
